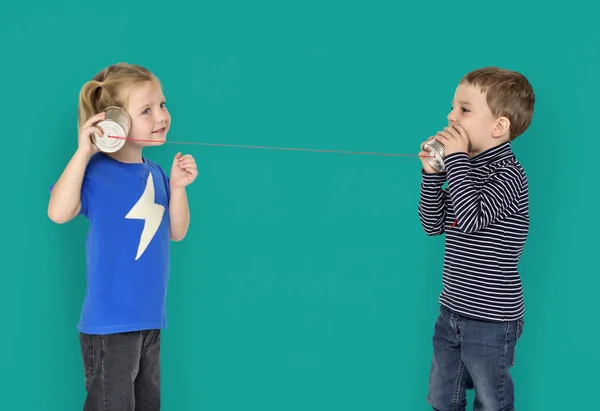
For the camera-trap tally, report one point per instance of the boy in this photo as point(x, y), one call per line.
point(484, 213)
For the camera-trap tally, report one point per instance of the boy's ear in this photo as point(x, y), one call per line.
point(501, 128)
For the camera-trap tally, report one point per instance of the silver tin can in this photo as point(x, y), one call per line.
point(437, 150)
point(117, 123)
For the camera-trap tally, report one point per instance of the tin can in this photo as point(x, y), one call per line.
point(437, 150)
point(117, 123)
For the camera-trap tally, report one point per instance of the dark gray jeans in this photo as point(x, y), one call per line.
point(122, 371)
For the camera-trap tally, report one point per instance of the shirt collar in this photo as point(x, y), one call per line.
point(492, 155)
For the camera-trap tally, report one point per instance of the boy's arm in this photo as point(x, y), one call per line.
point(476, 209)
point(65, 196)
point(432, 203)
point(179, 213)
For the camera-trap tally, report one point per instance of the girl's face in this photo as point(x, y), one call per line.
point(150, 119)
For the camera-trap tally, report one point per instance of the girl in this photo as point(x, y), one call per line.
point(134, 210)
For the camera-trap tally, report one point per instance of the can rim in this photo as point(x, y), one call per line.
point(436, 148)
point(120, 112)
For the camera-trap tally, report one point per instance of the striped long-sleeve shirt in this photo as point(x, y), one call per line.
point(484, 214)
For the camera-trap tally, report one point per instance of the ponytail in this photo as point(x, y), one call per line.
point(89, 96)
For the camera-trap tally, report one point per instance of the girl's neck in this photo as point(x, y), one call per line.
point(128, 154)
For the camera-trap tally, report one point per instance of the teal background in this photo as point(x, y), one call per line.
point(305, 282)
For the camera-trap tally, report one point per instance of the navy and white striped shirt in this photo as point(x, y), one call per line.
point(484, 213)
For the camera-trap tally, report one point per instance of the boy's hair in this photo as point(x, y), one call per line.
point(109, 88)
point(509, 94)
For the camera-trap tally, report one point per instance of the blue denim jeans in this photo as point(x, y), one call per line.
point(122, 371)
point(472, 354)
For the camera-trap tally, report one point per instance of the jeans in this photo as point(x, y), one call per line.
point(472, 354)
point(122, 371)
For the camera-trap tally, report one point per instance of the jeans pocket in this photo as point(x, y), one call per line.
point(519, 324)
point(88, 355)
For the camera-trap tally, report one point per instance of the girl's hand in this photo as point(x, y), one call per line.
point(86, 131)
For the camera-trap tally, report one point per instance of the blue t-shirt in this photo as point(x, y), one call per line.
point(127, 246)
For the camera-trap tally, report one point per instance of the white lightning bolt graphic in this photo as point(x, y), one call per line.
point(145, 209)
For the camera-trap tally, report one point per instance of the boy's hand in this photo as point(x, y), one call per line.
point(184, 170)
point(454, 139)
point(423, 154)
point(86, 145)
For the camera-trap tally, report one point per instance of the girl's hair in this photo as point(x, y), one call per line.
point(109, 88)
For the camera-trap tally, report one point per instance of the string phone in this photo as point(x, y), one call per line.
point(117, 124)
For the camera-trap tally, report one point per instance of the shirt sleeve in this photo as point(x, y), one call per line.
point(167, 183)
point(432, 203)
point(85, 194)
point(476, 209)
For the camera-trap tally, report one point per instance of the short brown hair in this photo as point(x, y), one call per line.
point(109, 88)
point(509, 94)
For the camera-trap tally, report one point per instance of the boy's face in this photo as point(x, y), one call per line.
point(471, 111)
point(150, 119)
